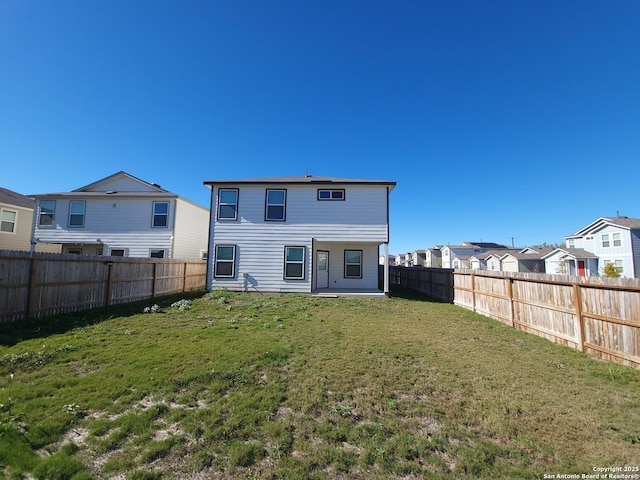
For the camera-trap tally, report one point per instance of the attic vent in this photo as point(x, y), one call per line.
point(111, 192)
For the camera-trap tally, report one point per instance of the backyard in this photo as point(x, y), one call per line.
point(248, 386)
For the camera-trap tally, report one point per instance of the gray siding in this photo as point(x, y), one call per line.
point(359, 221)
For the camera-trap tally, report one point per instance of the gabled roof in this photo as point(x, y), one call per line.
point(302, 180)
point(489, 245)
point(622, 222)
point(537, 255)
point(571, 252)
point(115, 176)
point(10, 197)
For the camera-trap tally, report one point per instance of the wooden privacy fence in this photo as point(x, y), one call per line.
point(599, 316)
point(42, 284)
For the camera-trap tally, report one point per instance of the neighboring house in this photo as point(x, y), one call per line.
point(466, 250)
point(613, 240)
point(460, 261)
point(391, 259)
point(571, 261)
point(16, 219)
point(433, 257)
point(121, 215)
point(403, 260)
point(418, 258)
point(526, 260)
point(298, 234)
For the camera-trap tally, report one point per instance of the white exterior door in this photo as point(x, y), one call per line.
point(322, 269)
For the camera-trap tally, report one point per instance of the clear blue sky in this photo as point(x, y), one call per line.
point(497, 119)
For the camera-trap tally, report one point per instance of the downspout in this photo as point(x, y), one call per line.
point(210, 249)
point(386, 253)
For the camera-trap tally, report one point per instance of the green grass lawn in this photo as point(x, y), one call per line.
point(289, 386)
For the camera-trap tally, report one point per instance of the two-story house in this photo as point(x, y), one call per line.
point(121, 215)
point(458, 256)
point(613, 240)
point(433, 257)
point(298, 234)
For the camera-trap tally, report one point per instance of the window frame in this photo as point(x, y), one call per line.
point(267, 205)
point(216, 261)
point(117, 249)
point(72, 214)
point(155, 215)
point(605, 239)
point(303, 262)
point(618, 240)
point(347, 264)
point(51, 214)
point(331, 192)
point(235, 204)
point(163, 252)
point(13, 223)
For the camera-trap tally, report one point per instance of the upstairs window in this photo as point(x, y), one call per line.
point(294, 263)
point(275, 209)
point(76, 214)
point(8, 221)
point(353, 264)
point(571, 243)
point(47, 210)
point(160, 214)
point(228, 204)
point(617, 240)
point(328, 195)
point(605, 240)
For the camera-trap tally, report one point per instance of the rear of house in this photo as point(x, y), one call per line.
point(121, 215)
point(297, 234)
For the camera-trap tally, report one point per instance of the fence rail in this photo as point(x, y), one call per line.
point(42, 284)
point(599, 316)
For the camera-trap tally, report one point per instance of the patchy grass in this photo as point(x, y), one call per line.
point(230, 385)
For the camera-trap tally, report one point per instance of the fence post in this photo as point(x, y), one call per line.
point(107, 299)
point(577, 301)
point(184, 278)
point(31, 293)
point(473, 292)
point(511, 309)
point(153, 283)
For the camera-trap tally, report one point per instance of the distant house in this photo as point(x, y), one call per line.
point(121, 215)
point(460, 261)
point(433, 257)
point(298, 234)
point(613, 240)
point(418, 258)
point(391, 259)
point(526, 260)
point(571, 261)
point(403, 260)
point(466, 250)
point(16, 219)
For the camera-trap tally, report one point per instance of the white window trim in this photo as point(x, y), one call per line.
point(283, 205)
point(361, 264)
point(605, 238)
point(331, 194)
point(220, 204)
point(303, 262)
point(154, 215)
point(71, 214)
point(163, 250)
point(14, 223)
point(613, 239)
point(232, 261)
point(40, 214)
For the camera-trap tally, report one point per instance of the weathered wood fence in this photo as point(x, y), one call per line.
point(599, 316)
point(42, 284)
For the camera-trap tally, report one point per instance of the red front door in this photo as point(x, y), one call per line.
point(581, 270)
